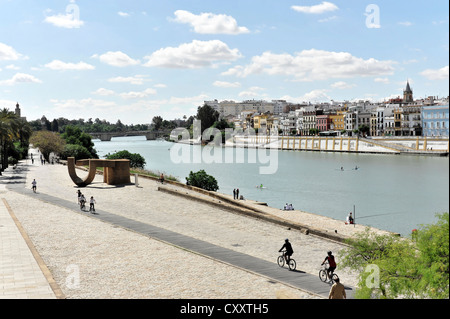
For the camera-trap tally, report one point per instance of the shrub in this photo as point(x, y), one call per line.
point(75, 150)
point(202, 180)
point(136, 160)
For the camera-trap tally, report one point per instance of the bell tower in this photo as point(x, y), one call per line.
point(408, 94)
point(17, 111)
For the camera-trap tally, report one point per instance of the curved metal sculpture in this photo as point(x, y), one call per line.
point(116, 172)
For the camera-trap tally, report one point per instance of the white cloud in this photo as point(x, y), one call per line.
point(123, 14)
point(313, 96)
point(12, 67)
point(59, 65)
point(8, 53)
point(21, 78)
point(68, 21)
point(103, 92)
point(227, 84)
point(252, 92)
point(341, 85)
point(381, 80)
point(317, 9)
point(313, 64)
point(138, 95)
point(160, 85)
point(84, 104)
point(136, 80)
point(209, 23)
point(439, 74)
point(192, 55)
point(116, 58)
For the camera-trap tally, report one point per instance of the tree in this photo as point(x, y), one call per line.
point(136, 160)
point(74, 150)
point(74, 135)
point(207, 115)
point(48, 142)
point(202, 180)
point(9, 126)
point(157, 122)
point(411, 268)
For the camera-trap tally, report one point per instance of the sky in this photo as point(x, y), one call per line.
point(133, 60)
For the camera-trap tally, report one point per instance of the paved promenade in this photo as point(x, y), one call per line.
point(148, 250)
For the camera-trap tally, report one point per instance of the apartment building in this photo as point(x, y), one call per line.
point(435, 119)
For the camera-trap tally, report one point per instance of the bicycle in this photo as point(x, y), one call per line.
point(82, 205)
point(282, 259)
point(323, 274)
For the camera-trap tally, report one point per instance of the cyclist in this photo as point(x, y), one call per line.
point(91, 204)
point(331, 263)
point(289, 251)
point(82, 201)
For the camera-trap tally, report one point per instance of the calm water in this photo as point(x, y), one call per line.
point(396, 193)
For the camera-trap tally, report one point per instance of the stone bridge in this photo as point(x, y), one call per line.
point(149, 135)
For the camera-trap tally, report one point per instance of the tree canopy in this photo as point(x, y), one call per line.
point(136, 160)
point(202, 180)
point(48, 142)
point(393, 267)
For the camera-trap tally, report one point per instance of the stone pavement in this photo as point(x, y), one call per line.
point(23, 275)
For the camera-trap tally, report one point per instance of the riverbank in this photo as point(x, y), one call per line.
point(419, 146)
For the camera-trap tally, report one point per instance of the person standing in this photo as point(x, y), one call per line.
point(234, 193)
point(33, 187)
point(237, 193)
point(337, 291)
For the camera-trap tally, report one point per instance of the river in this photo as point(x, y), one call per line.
point(397, 193)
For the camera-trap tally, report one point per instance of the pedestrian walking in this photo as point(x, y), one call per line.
point(33, 185)
point(337, 291)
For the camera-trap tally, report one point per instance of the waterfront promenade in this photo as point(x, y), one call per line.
point(101, 256)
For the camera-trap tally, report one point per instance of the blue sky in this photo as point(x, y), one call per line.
point(133, 60)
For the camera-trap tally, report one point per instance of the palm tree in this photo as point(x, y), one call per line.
point(9, 124)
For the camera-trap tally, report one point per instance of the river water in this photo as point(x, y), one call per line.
point(390, 192)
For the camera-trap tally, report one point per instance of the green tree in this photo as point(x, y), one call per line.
point(202, 180)
point(48, 142)
point(136, 160)
point(9, 126)
point(410, 268)
point(207, 115)
point(74, 135)
point(76, 151)
point(157, 122)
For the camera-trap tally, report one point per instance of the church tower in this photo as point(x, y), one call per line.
point(17, 111)
point(407, 94)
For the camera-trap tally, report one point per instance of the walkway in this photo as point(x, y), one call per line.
point(23, 275)
point(297, 279)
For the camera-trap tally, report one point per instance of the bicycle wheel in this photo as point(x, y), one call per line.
point(323, 275)
point(334, 277)
point(280, 261)
point(292, 264)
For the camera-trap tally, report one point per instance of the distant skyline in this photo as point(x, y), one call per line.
point(133, 60)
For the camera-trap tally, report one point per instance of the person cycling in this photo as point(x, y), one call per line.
point(82, 201)
point(288, 250)
point(331, 263)
point(91, 204)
